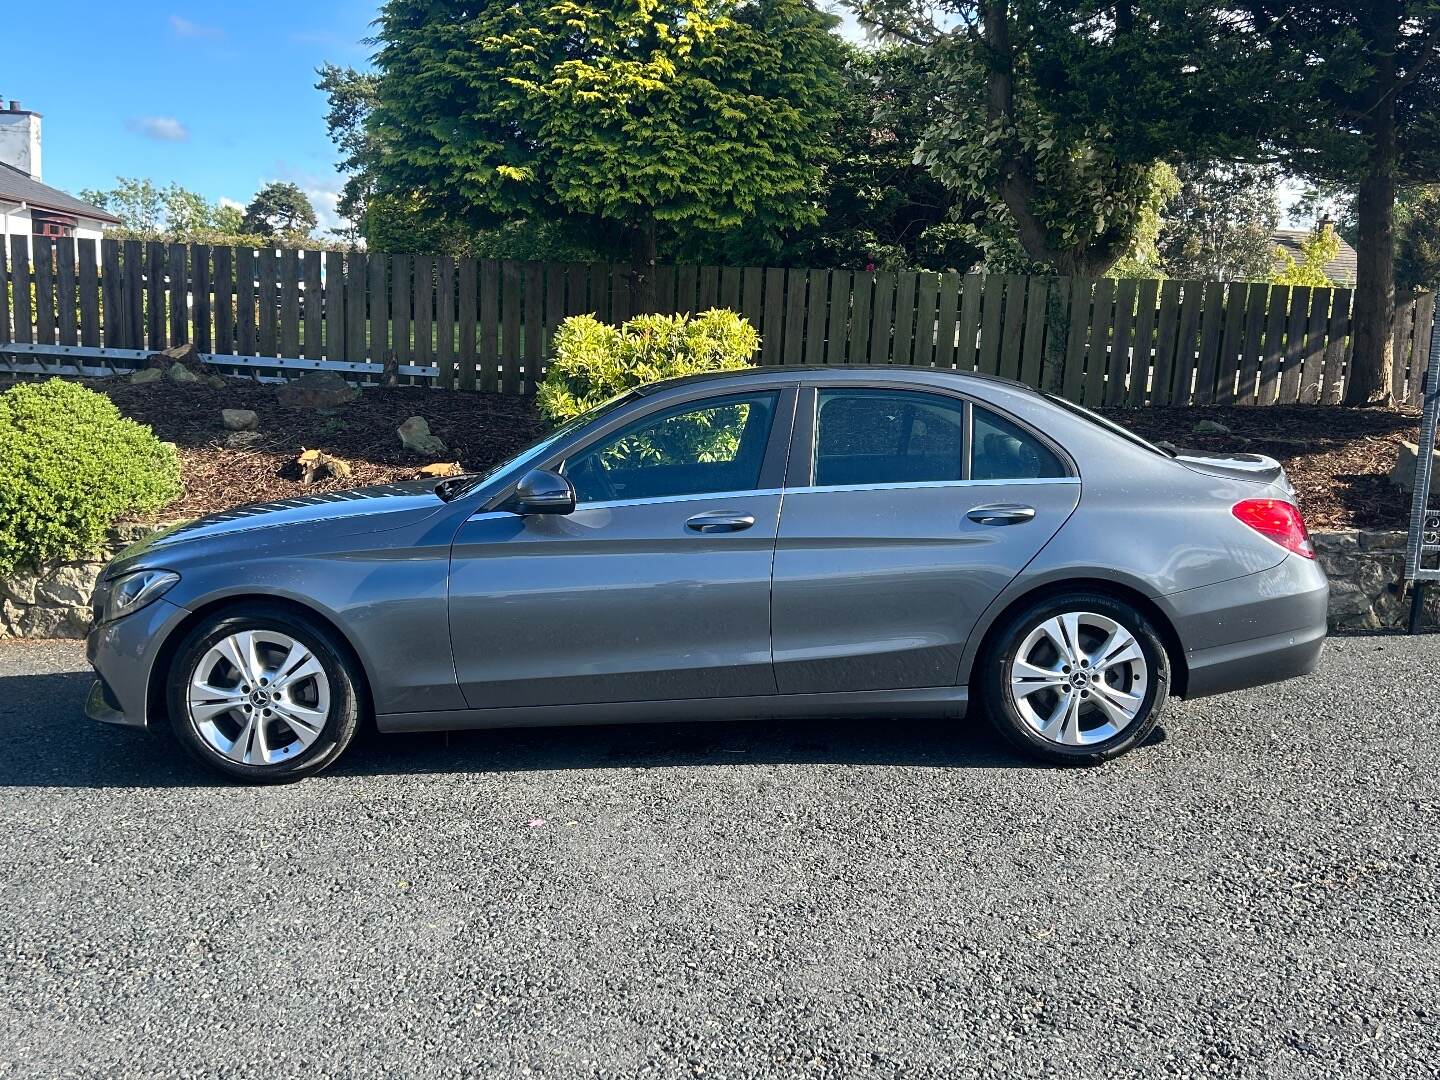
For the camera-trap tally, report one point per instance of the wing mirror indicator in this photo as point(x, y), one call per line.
point(541, 491)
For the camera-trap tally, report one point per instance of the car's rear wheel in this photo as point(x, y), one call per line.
point(1076, 679)
point(263, 694)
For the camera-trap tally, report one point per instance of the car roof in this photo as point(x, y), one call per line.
point(837, 373)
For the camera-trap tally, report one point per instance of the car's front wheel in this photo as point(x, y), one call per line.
point(263, 694)
point(1076, 679)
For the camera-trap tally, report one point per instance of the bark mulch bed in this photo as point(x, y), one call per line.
point(479, 430)
point(1338, 459)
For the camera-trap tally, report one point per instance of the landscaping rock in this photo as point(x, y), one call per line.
point(147, 375)
point(176, 354)
point(1380, 540)
point(1168, 446)
point(181, 375)
point(69, 586)
point(243, 440)
point(1210, 427)
point(317, 390)
point(317, 465)
point(1339, 542)
point(20, 586)
point(1402, 474)
point(53, 599)
point(239, 419)
point(216, 382)
point(415, 435)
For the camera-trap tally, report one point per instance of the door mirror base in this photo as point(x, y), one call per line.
point(541, 491)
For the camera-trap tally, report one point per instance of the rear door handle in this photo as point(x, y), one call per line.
point(1001, 514)
point(718, 521)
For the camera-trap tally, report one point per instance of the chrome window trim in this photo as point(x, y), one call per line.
point(658, 500)
point(661, 500)
point(813, 489)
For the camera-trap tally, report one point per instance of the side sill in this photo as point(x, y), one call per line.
point(938, 701)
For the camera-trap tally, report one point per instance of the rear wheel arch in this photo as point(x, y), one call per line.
point(155, 695)
point(1125, 594)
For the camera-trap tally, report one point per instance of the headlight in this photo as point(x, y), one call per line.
point(134, 591)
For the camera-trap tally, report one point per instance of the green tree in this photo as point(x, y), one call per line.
point(1417, 249)
point(229, 220)
point(148, 211)
point(1068, 198)
point(1315, 254)
point(1218, 226)
point(1142, 259)
point(403, 222)
point(878, 206)
point(280, 209)
point(1345, 92)
point(188, 212)
point(351, 96)
point(138, 203)
point(629, 118)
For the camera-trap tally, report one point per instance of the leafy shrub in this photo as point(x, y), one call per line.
point(70, 467)
point(593, 362)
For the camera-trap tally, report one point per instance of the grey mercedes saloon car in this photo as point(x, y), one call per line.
point(766, 543)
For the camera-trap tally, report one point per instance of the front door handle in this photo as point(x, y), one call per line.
point(1001, 514)
point(718, 521)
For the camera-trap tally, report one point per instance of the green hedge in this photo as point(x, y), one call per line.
point(70, 467)
point(593, 362)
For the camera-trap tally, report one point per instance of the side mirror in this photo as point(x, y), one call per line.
point(543, 492)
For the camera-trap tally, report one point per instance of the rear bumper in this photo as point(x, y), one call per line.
point(123, 653)
point(1253, 630)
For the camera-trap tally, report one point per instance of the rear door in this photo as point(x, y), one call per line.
point(906, 513)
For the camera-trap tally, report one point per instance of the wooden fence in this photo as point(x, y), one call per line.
point(481, 324)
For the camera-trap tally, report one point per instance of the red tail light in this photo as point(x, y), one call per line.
point(1279, 521)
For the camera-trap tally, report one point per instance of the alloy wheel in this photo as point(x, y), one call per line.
point(258, 697)
point(1079, 678)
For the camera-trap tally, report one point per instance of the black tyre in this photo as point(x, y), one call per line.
point(263, 694)
point(1075, 679)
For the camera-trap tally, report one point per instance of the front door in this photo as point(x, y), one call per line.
point(915, 510)
point(657, 586)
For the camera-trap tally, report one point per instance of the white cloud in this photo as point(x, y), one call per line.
point(231, 203)
point(163, 128)
point(185, 28)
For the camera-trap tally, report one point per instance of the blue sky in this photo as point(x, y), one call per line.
point(217, 97)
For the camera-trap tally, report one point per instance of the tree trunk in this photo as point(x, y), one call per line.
point(642, 267)
point(1018, 186)
point(1368, 380)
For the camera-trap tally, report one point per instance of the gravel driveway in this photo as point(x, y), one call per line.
point(1253, 895)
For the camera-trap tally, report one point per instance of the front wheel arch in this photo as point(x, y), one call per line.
point(155, 696)
point(1174, 651)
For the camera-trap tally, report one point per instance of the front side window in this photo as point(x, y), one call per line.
point(693, 449)
point(887, 437)
point(1002, 450)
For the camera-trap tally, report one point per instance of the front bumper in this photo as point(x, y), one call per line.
point(123, 654)
point(1252, 630)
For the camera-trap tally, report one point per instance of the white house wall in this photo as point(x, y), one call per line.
point(14, 221)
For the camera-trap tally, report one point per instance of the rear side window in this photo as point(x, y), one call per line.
point(1002, 450)
point(887, 437)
